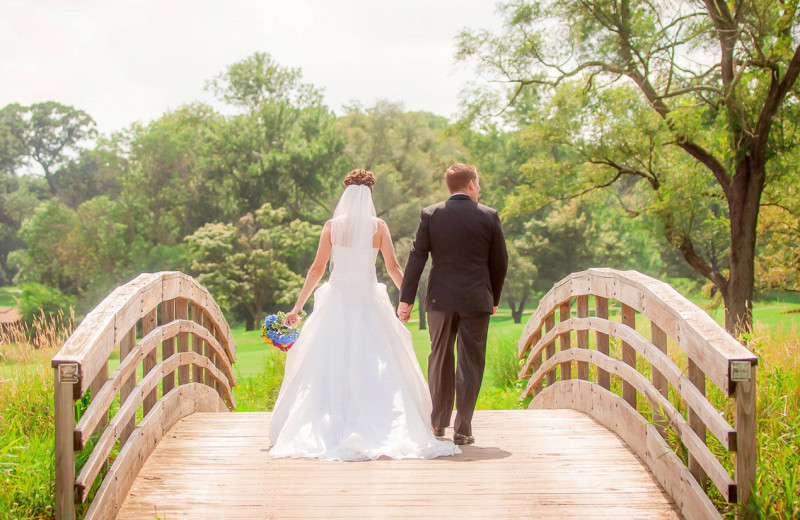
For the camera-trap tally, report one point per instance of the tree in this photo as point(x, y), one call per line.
point(519, 282)
point(167, 186)
point(408, 152)
point(81, 252)
point(714, 74)
point(45, 132)
point(50, 258)
point(12, 144)
point(246, 265)
point(282, 148)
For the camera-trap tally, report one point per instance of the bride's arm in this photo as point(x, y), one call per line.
point(389, 257)
point(314, 275)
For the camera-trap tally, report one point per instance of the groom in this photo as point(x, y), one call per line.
point(466, 243)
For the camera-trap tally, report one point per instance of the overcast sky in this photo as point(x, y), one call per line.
point(132, 60)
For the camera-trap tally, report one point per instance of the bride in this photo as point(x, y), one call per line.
point(353, 389)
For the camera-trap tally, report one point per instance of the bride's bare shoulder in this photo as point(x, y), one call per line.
point(382, 226)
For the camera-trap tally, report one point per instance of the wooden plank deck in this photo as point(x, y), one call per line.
point(526, 464)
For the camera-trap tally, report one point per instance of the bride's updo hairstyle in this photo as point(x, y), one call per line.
point(360, 177)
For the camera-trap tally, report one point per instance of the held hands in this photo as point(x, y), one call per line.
point(404, 311)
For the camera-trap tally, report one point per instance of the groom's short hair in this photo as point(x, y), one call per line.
point(458, 175)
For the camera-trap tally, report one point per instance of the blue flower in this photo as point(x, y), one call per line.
point(269, 320)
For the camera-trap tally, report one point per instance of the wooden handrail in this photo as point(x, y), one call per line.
point(707, 350)
point(157, 305)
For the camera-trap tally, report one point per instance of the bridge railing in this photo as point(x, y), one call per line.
point(651, 391)
point(165, 313)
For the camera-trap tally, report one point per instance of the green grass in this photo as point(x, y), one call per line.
point(7, 295)
point(256, 363)
point(26, 444)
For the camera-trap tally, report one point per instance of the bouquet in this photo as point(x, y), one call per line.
point(276, 333)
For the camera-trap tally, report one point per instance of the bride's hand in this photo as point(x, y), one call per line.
point(293, 318)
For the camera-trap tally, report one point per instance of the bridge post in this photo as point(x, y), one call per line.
point(125, 346)
point(582, 336)
point(659, 338)
point(550, 323)
point(149, 323)
point(628, 316)
point(601, 311)
point(182, 313)
point(698, 379)
point(565, 340)
point(746, 444)
point(168, 345)
point(64, 455)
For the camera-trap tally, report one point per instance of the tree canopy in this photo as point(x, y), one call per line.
point(681, 99)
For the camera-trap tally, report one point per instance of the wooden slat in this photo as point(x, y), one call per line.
point(550, 349)
point(601, 340)
point(64, 455)
point(99, 380)
point(102, 329)
point(149, 344)
point(197, 343)
point(659, 339)
point(168, 345)
point(217, 359)
point(182, 313)
point(525, 464)
point(694, 445)
point(149, 323)
point(127, 411)
point(628, 317)
point(658, 359)
point(746, 436)
point(582, 336)
point(179, 403)
point(614, 413)
point(125, 347)
point(698, 379)
point(96, 329)
point(530, 360)
point(564, 340)
point(693, 329)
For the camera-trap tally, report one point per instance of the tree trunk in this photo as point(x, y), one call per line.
point(743, 199)
point(250, 322)
point(421, 293)
point(517, 310)
point(51, 182)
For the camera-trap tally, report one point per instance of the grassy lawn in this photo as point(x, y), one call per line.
point(252, 353)
point(7, 295)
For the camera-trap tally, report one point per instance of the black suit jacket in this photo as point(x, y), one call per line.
point(466, 243)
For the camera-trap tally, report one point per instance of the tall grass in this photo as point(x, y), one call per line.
point(26, 417)
point(257, 393)
point(777, 490)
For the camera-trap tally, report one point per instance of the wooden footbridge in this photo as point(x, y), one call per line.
point(620, 425)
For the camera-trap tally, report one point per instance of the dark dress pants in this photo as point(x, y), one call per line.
point(467, 330)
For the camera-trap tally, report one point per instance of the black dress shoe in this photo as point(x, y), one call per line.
point(438, 431)
point(459, 439)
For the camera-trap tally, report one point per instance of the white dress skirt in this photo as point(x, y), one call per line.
point(353, 389)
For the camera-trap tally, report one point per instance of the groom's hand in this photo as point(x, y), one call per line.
point(404, 311)
point(494, 310)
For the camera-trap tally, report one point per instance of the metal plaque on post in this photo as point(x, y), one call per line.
point(740, 371)
point(68, 373)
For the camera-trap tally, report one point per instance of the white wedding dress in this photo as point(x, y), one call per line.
point(353, 389)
